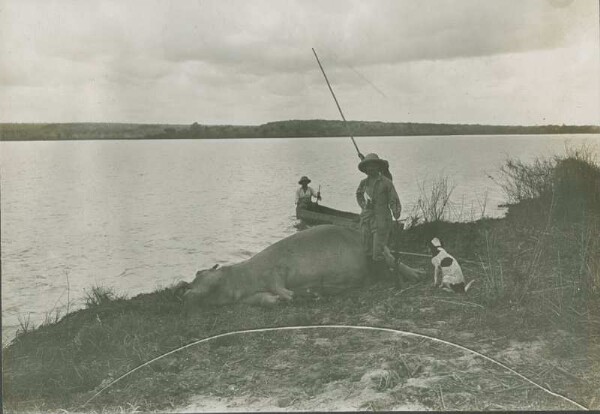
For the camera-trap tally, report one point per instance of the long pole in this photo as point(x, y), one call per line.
point(338, 105)
point(386, 171)
point(319, 193)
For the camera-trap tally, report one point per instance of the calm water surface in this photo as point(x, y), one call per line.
point(138, 215)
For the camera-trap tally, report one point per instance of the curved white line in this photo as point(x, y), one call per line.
point(363, 328)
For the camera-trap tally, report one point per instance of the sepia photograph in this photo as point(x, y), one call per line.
point(299, 205)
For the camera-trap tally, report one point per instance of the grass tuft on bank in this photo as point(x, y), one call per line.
point(537, 272)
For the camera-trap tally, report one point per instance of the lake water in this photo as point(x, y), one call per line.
point(139, 215)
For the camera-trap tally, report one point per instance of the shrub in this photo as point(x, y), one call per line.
point(433, 203)
point(25, 324)
point(521, 181)
point(554, 218)
point(577, 187)
point(570, 184)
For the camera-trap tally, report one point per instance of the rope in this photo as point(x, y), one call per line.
point(429, 256)
point(363, 328)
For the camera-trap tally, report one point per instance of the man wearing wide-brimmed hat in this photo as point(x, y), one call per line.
point(305, 194)
point(378, 201)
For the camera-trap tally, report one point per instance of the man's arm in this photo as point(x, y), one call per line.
point(314, 193)
point(360, 195)
point(395, 204)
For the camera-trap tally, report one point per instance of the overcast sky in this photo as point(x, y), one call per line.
point(250, 61)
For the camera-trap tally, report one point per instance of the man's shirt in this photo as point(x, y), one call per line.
point(376, 198)
point(305, 195)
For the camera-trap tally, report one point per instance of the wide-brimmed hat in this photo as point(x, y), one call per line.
point(372, 159)
point(304, 179)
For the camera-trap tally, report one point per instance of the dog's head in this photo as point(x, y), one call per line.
point(435, 245)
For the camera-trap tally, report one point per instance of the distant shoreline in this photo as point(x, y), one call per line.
point(279, 129)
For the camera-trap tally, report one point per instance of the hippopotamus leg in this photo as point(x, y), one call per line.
point(262, 298)
point(271, 297)
point(281, 273)
point(283, 293)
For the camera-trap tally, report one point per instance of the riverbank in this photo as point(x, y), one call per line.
point(534, 307)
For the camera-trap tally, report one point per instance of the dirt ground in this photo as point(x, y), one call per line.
point(337, 369)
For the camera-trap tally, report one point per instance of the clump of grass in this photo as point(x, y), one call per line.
point(52, 317)
point(494, 288)
point(99, 295)
point(588, 247)
point(593, 264)
point(482, 202)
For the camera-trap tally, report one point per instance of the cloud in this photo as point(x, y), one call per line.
point(251, 61)
point(279, 34)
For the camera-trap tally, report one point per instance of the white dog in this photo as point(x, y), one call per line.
point(447, 268)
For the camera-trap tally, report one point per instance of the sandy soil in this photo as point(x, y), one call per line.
point(345, 370)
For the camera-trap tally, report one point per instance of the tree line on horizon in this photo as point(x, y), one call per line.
point(278, 129)
point(325, 128)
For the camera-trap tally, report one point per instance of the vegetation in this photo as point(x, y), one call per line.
point(324, 128)
point(279, 129)
point(99, 295)
point(81, 131)
point(432, 204)
point(535, 306)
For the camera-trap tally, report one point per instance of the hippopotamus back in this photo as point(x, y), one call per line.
point(327, 258)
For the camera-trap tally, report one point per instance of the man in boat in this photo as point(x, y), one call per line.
point(378, 201)
point(305, 194)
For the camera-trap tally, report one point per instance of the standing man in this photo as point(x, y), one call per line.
point(305, 194)
point(378, 201)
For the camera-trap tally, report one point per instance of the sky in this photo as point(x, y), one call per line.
point(525, 62)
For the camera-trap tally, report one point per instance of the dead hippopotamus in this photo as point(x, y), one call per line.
point(325, 259)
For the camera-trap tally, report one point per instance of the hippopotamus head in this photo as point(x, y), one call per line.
point(209, 288)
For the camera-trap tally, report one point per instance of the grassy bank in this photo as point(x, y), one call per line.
point(534, 306)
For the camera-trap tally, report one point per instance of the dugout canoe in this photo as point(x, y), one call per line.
point(318, 214)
